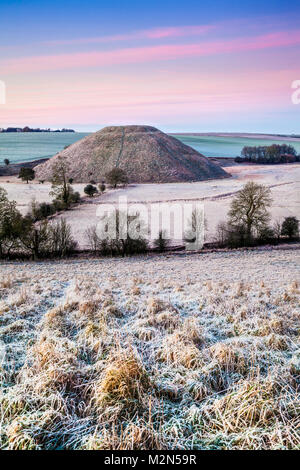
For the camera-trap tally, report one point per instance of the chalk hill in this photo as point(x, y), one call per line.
point(145, 153)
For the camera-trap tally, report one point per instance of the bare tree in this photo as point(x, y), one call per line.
point(60, 238)
point(221, 233)
point(277, 227)
point(250, 208)
point(194, 235)
point(61, 188)
point(93, 239)
point(35, 236)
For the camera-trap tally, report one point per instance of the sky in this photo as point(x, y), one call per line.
point(192, 66)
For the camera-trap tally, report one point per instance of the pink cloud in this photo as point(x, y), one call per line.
point(155, 33)
point(147, 54)
point(246, 88)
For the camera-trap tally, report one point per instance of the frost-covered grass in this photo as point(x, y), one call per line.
point(163, 352)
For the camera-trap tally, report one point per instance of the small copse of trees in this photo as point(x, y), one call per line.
point(115, 236)
point(31, 235)
point(269, 154)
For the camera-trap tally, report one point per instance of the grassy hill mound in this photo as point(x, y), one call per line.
point(145, 153)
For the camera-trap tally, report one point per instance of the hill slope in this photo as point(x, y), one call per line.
point(145, 153)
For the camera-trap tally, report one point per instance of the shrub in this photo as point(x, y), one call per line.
point(59, 205)
point(229, 235)
point(133, 247)
point(90, 190)
point(106, 243)
point(161, 243)
point(236, 235)
point(290, 227)
point(40, 211)
point(266, 234)
point(116, 176)
point(46, 210)
point(74, 196)
point(102, 187)
point(26, 174)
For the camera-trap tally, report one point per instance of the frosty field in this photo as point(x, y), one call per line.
point(160, 352)
point(216, 195)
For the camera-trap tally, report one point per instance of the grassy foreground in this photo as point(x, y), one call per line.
point(191, 352)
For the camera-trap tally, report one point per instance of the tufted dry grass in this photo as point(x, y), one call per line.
point(94, 358)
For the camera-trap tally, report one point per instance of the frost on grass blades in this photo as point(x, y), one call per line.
point(296, 93)
point(2, 353)
point(176, 221)
point(2, 92)
point(192, 352)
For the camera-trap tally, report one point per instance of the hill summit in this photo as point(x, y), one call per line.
point(144, 152)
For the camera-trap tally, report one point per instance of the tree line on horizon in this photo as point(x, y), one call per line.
point(269, 154)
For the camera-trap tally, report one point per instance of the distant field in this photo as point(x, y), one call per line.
point(21, 147)
point(231, 145)
point(186, 352)
point(28, 146)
